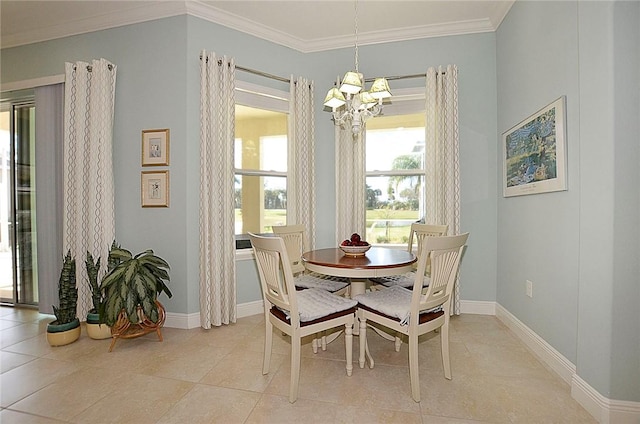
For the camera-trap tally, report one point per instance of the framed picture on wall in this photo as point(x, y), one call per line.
point(155, 189)
point(155, 147)
point(534, 152)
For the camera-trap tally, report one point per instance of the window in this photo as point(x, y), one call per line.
point(395, 169)
point(260, 161)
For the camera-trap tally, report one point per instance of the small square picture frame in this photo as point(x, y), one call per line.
point(155, 147)
point(154, 189)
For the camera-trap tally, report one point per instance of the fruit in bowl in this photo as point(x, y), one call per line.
point(355, 240)
point(354, 246)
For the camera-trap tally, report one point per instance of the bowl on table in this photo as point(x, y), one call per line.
point(355, 251)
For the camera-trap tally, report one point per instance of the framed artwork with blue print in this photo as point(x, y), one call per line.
point(534, 152)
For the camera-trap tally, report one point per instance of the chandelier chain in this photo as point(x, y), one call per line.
point(355, 7)
point(351, 105)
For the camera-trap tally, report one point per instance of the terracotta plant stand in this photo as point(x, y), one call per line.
point(125, 329)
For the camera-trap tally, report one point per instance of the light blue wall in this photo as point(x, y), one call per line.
point(625, 357)
point(158, 87)
point(538, 234)
point(609, 342)
point(150, 89)
point(579, 247)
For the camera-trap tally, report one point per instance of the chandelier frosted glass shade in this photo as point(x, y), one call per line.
point(380, 89)
point(351, 83)
point(367, 101)
point(334, 99)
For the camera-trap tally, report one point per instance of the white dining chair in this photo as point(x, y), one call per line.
point(297, 313)
point(296, 242)
point(417, 233)
point(415, 312)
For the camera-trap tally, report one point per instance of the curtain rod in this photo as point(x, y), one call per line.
point(263, 74)
point(259, 73)
point(287, 80)
point(400, 77)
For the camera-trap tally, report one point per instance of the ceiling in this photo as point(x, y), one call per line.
point(304, 25)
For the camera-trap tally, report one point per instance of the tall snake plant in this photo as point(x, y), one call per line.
point(93, 269)
point(65, 312)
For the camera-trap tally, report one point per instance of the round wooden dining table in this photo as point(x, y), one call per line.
point(376, 262)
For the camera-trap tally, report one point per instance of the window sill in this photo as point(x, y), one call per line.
point(244, 255)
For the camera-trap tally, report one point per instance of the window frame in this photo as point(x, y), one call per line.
point(260, 97)
point(406, 101)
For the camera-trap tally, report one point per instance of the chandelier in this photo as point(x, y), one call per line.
point(350, 106)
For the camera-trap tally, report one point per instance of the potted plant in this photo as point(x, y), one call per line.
point(96, 328)
point(131, 286)
point(66, 327)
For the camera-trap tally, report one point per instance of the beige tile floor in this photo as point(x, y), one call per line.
point(214, 376)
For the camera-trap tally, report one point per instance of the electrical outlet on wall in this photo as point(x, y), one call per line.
point(529, 288)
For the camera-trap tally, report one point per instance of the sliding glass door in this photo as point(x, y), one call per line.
point(18, 270)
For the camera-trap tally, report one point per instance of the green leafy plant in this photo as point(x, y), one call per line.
point(65, 312)
point(132, 282)
point(113, 260)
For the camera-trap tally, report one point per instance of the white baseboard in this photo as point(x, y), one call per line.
point(477, 307)
point(543, 350)
point(182, 321)
point(250, 308)
point(189, 321)
point(606, 411)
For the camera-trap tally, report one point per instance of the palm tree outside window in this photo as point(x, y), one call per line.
point(395, 169)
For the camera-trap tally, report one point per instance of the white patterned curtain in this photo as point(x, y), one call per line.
point(350, 183)
point(442, 154)
point(217, 231)
point(301, 170)
point(88, 216)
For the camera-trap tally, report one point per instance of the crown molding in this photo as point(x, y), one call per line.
point(238, 23)
point(164, 9)
point(404, 34)
point(134, 15)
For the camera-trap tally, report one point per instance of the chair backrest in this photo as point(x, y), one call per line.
point(445, 253)
point(276, 277)
point(295, 241)
point(421, 231)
